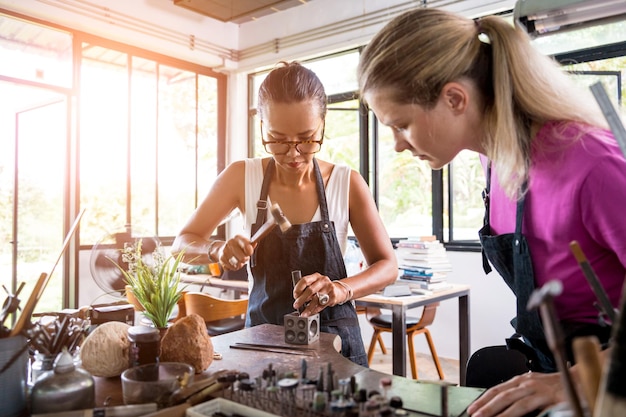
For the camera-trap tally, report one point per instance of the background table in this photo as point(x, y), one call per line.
point(399, 307)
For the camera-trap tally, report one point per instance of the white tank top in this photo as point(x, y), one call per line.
point(337, 198)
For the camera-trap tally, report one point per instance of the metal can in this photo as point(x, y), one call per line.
point(65, 388)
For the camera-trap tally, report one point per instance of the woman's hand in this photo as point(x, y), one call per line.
point(315, 292)
point(235, 252)
point(519, 395)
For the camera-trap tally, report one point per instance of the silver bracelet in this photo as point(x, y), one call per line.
point(213, 242)
point(348, 288)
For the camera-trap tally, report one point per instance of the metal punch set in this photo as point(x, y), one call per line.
point(293, 394)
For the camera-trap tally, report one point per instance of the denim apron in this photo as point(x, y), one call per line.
point(309, 247)
point(510, 255)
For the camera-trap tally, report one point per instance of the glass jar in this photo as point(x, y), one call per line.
point(41, 363)
point(144, 345)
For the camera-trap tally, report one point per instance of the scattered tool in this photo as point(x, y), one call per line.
point(543, 299)
point(23, 322)
point(10, 306)
point(275, 349)
point(604, 303)
point(611, 401)
point(277, 218)
point(587, 354)
point(295, 277)
point(610, 114)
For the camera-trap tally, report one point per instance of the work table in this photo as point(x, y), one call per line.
point(422, 397)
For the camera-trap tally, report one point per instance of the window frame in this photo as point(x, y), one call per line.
point(72, 183)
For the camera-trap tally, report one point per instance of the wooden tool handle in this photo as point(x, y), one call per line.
point(611, 401)
point(587, 354)
point(263, 231)
point(27, 311)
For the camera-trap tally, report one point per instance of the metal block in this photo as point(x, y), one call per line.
point(301, 330)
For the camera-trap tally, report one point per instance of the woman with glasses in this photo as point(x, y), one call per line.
point(320, 200)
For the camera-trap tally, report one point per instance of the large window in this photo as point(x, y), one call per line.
point(134, 138)
point(150, 140)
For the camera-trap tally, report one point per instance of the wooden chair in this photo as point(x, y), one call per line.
point(414, 325)
point(221, 315)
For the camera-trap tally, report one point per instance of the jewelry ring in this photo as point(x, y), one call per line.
point(233, 261)
point(323, 299)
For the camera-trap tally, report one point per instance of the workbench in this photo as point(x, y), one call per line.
point(422, 397)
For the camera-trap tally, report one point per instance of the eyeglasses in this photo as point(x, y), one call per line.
point(304, 147)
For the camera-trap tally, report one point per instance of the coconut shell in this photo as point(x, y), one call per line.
point(105, 351)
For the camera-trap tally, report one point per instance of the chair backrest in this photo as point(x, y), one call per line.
point(492, 365)
point(428, 315)
point(212, 308)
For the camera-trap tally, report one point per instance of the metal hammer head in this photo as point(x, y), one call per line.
point(549, 290)
point(279, 218)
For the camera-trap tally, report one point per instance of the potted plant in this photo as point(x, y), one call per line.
point(156, 287)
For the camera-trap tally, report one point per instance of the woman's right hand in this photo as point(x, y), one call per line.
point(235, 252)
point(519, 396)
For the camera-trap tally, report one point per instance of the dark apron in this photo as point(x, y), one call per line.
point(310, 247)
point(510, 255)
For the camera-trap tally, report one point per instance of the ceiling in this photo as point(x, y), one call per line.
point(238, 11)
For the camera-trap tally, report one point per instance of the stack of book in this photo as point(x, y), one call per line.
point(423, 263)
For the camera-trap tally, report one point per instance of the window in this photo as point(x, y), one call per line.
point(135, 138)
point(150, 139)
point(35, 77)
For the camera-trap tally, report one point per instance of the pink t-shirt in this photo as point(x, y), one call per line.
point(577, 191)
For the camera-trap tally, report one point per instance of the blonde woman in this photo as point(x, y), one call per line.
point(445, 83)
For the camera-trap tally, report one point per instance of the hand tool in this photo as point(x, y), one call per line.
point(277, 218)
point(543, 299)
point(587, 354)
point(24, 320)
point(611, 400)
point(604, 302)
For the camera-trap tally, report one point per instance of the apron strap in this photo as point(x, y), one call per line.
point(261, 205)
point(485, 194)
point(321, 193)
point(519, 213)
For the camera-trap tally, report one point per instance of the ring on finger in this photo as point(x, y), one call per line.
point(233, 261)
point(323, 299)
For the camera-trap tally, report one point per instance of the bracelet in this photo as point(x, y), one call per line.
point(348, 288)
point(213, 242)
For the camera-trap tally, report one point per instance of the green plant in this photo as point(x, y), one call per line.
point(157, 286)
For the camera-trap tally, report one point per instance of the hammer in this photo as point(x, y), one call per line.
point(543, 298)
point(277, 218)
